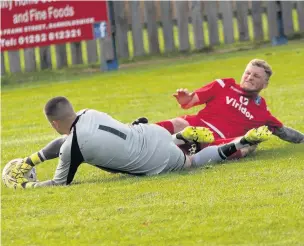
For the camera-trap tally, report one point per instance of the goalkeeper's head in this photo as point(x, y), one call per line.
point(256, 76)
point(60, 113)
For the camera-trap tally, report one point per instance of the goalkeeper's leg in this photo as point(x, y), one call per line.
point(50, 151)
point(237, 155)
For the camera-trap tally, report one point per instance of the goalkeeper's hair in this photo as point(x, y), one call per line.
point(263, 64)
point(59, 108)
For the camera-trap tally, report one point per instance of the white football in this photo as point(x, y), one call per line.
point(6, 173)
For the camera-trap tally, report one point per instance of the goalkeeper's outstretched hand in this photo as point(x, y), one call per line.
point(13, 174)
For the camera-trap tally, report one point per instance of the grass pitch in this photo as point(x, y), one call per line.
point(255, 201)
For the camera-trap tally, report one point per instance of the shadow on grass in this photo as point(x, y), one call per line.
point(280, 152)
point(108, 179)
point(131, 179)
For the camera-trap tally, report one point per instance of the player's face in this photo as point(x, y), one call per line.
point(254, 79)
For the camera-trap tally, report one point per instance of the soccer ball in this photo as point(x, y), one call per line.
point(7, 177)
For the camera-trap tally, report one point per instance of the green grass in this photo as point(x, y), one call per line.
point(255, 201)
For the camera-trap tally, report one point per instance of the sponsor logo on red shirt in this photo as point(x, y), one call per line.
point(243, 101)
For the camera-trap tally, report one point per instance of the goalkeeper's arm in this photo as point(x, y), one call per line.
point(288, 134)
point(27, 185)
point(22, 182)
point(64, 174)
point(49, 152)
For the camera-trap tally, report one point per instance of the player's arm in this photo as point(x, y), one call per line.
point(60, 178)
point(69, 161)
point(185, 98)
point(288, 134)
point(18, 180)
point(63, 176)
point(49, 152)
point(283, 132)
point(46, 183)
point(200, 96)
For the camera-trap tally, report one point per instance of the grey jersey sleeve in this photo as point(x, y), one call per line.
point(51, 150)
point(70, 158)
point(63, 167)
point(62, 171)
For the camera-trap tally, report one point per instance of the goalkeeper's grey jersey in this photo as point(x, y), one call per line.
point(98, 139)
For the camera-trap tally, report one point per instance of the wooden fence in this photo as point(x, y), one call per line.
point(156, 27)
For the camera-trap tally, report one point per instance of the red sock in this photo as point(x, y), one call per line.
point(223, 141)
point(167, 125)
point(218, 142)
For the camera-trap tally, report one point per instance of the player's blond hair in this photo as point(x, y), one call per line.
point(263, 64)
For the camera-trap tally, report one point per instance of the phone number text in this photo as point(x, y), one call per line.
point(41, 38)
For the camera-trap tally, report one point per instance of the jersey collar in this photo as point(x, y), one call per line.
point(238, 89)
point(77, 118)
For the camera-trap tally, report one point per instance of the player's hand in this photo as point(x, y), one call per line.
point(23, 167)
point(15, 179)
point(183, 96)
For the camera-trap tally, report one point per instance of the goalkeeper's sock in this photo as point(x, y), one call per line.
point(212, 154)
point(35, 159)
point(208, 155)
point(178, 139)
point(227, 150)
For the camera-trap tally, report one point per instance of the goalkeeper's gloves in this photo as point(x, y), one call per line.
point(23, 167)
point(17, 179)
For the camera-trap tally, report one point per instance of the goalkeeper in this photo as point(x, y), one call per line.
point(96, 138)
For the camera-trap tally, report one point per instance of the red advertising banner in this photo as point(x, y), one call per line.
point(31, 23)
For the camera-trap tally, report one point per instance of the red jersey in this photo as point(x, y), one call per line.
point(230, 111)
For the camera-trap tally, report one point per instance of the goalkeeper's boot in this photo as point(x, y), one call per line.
point(141, 120)
point(256, 135)
point(194, 134)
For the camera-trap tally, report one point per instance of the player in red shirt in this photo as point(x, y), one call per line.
point(232, 109)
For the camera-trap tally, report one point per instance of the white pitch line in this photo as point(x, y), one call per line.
point(9, 143)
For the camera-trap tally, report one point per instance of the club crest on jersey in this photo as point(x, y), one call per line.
point(240, 105)
point(244, 100)
point(258, 100)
